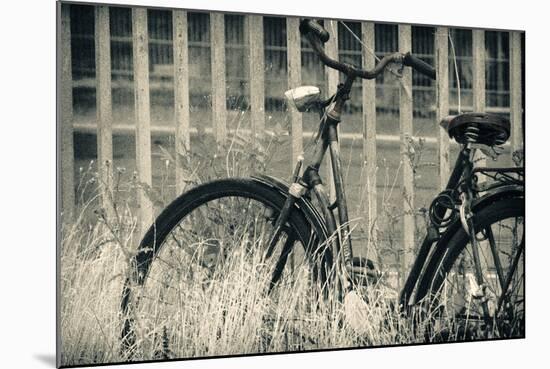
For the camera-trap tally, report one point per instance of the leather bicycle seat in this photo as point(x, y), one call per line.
point(482, 128)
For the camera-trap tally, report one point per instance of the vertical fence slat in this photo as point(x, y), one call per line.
point(405, 128)
point(256, 74)
point(331, 48)
point(140, 45)
point(217, 47)
point(66, 114)
point(478, 70)
point(369, 128)
point(442, 90)
point(332, 75)
point(181, 93)
point(104, 101)
point(294, 63)
point(516, 109)
point(478, 83)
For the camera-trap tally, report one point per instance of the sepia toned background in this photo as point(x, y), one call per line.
point(231, 72)
point(153, 102)
point(38, 349)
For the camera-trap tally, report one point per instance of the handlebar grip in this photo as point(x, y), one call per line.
point(309, 25)
point(420, 65)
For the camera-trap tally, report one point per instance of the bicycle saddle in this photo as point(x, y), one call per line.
point(481, 128)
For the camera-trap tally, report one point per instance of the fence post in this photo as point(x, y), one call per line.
point(181, 94)
point(478, 68)
point(217, 47)
point(294, 63)
point(256, 75)
point(405, 127)
point(516, 109)
point(66, 115)
point(333, 78)
point(331, 48)
point(442, 91)
point(478, 84)
point(104, 104)
point(143, 117)
point(369, 129)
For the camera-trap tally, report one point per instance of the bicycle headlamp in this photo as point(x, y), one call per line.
point(304, 97)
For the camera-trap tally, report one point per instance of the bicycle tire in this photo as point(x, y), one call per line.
point(152, 244)
point(448, 261)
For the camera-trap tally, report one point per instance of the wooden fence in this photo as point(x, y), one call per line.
point(255, 40)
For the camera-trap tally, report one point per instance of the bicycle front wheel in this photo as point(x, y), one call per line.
point(203, 284)
point(494, 308)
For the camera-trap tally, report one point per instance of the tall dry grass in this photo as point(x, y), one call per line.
point(230, 316)
point(237, 317)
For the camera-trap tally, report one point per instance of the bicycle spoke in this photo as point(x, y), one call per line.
point(495, 254)
point(511, 273)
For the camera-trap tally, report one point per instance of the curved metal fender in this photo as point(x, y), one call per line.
point(311, 213)
point(498, 193)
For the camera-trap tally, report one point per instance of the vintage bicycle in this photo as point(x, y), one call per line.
point(263, 238)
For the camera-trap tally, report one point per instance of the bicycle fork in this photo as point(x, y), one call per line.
point(344, 233)
point(296, 190)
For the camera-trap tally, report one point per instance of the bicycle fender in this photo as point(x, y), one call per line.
point(303, 203)
point(499, 193)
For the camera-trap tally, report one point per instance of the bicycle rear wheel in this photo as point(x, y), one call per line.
point(203, 284)
point(451, 293)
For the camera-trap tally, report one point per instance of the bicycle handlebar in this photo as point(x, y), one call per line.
point(317, 35)
point(419, 65)
point(309, 25)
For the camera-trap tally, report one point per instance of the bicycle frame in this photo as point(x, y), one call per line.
point(462, 162)
point(329, 140)
point(310, 180)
